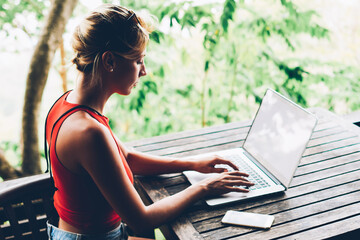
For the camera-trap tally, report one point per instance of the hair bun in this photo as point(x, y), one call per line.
point(99, 32)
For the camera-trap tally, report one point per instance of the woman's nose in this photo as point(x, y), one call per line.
point(143, 71)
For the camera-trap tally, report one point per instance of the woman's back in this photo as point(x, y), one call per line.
point(78, 200)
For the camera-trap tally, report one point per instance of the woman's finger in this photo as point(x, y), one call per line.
point(221, 160)
point(237, 182)
point(220, 170)
point(238, 173)
point(236, 189)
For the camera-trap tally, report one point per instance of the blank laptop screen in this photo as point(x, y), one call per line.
point(279, 135)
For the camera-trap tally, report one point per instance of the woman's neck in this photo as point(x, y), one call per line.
point(94, 97)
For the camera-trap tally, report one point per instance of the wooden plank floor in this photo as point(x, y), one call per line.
point(323, 199)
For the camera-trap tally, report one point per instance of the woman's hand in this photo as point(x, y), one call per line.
point(225, 182)
point(207, 164)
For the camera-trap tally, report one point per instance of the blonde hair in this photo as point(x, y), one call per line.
point(109, 28)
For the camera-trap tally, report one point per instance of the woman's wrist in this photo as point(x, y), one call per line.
point(200, 189)
point(190, 164)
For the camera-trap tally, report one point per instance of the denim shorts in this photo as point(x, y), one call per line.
point(55, 233)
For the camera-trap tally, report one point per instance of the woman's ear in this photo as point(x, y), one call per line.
point(108, 61)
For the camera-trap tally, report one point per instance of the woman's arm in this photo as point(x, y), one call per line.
point(146, 164)
point(101, 160)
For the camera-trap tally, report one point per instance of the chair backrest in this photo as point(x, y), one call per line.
point(25, 206)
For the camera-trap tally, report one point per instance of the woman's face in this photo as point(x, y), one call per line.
point(127, 73)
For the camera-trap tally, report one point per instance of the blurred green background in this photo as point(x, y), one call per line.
point(208, 62)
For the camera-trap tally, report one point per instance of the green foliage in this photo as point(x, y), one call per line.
point(11, 9)
point(156, 36)
point(12, 152)
point(147, 86)
point(212, 63)
point(227, 15)
point(10, 146)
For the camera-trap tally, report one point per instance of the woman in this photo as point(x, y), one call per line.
point(92, 169)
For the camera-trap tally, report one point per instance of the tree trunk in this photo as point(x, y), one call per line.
point(6, 170)
point(49, 41)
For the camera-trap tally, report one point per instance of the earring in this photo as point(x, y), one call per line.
point(111, 69)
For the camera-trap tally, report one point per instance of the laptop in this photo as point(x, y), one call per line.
point(272, 149)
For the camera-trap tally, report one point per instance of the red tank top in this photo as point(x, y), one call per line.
point(77, 200)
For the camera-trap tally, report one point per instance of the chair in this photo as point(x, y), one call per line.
point(25, 206)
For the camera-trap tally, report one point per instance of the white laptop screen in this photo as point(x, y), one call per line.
point(279, 135)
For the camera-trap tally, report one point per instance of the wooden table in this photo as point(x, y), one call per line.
point(322, 201)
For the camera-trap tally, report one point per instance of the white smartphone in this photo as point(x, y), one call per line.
point(248, 219)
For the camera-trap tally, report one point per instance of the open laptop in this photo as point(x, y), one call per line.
point(272, 149)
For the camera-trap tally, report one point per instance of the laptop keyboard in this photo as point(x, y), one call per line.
point(254, 177)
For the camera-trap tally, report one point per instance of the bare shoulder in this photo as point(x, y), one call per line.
point(81, 137)
point(81, 127)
